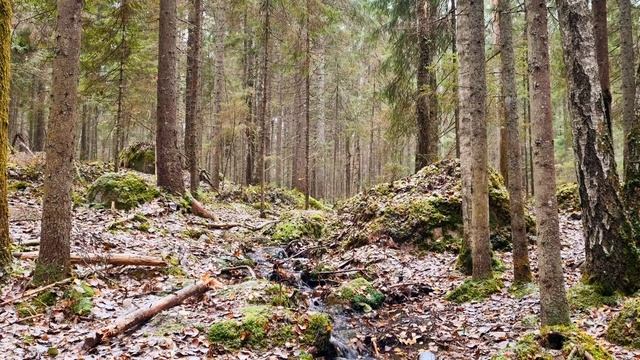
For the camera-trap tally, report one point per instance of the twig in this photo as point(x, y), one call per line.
point(22, 320)
point(339, 271)
point(304, 251)
point(573, 352)
point(30, 293)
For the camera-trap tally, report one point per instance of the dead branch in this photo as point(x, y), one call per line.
point(33, 292)
point(142, 315)
point(29, 243)
point(22, 320)
point(111, 259)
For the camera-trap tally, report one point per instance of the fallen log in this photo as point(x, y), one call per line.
point(142, 315)
point(111, 259)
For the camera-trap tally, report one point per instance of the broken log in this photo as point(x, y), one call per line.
point(142, 315)
point(111, 259)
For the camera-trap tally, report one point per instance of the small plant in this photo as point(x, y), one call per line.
point(80, 296)
point(474, 290)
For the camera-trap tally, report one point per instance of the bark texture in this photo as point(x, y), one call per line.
point(5, 66)
point(521, 268)
point(218, 89)
point(39, 118)
point(192, 120)
point(612, 259)
point(426, 102)
point(630, 109)
point(168, 164)
point(53, 260)
point(601, 36)
point(553, 300)
point(472, 91)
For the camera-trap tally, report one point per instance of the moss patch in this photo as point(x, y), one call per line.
point(299, 224)
point(585, 296)
point(140, 157)
point(274, 197)
point(521, 290)
point(36, 305)
point(472, 290)
point(553, 340)
point(138, 221)
point(358, 293)
point(568, 196)
point(80, 298)
point(423, 209)
point(317, 333)
point(125, 190)
point(624, 328)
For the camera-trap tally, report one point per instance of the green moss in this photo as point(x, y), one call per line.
point(138, 221)
point(295, 225)
point(280, 295)
point(624, 328)
point(524, 289)
point(472, 290)
point(124, 190)
point(36, 305)
point(80, 296)
point(585, 296)
point(17, 185)
point(53, 351)
point(317, 332)
point(555, 342)
point(360, 294)
point(193, 233)
point(531, 321)
point(305, 356)
point(258, 327)
point(140, 157)
point(174, 268)
point(568, 196)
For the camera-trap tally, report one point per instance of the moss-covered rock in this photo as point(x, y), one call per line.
point(139, 157)
point(553, 340)
point(585, 296)
point(424, 209)
point(298, 224)
point(568, 196)
point(125, 190)
point(475, 290)
point(359, 294)
point(317, 332)
point(624, 328)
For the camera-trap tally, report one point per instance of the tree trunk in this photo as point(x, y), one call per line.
point(630, 119)
point(53, 260)
point(426, 102)
point(307, 108)
point(473, 131)
point(192, 106)
point(263, 111)
point(454, 51)
point(218, 153)
point(5, 83)
point(521, 269)
point(601, 35)
point(612, 259)
point(39, 119)
point(553, 300)
point(124, 53)
point(169, 166)
point(249, 82)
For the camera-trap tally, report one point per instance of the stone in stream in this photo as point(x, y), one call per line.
point(427, 355)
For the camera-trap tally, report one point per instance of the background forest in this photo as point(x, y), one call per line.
point(340, 179)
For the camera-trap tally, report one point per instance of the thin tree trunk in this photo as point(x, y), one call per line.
point(426, 115)
point(307, 107)
point(249, 80)
point(5, 83)
point(612, 259)
point(521, 269)
point(473, 130)
point(169, 167)
point(192, 106)
point(53, 260)
point(218, 154)
point(601, 35)
point(263, 111)
point(553, 300)
point(454, 50)
point(630, 124)
point(117, 131)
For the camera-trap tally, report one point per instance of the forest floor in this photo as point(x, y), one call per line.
point(414, 319)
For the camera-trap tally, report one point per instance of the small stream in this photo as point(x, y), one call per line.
point(342, 331)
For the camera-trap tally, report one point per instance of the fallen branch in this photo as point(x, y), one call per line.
point(29, 243)
point(142, 315)
point(111, 259)
point(28, 318)
point(33, 292)
point(198, 209)
point(362, 271)
point(223, 226)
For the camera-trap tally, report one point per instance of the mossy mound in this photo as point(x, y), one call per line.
point(36, 305)
point(299, 224)
point(80, 298)
point(125, 190)
point(261, 292)
point(475, 290)
point(358, 293)
point(624, 328)
point(139, 157)
point(555, 342)
point(424, 209)
point(259, 327)
point(274, 196)
point(568, 197)
point(585, 296)
point(26, 167)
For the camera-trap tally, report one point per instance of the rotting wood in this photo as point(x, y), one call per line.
point(111, 259)
point(144, 314)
